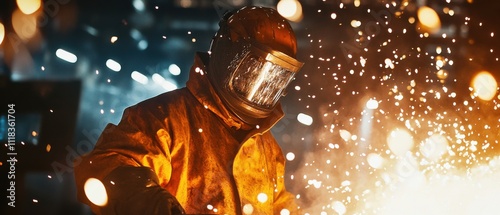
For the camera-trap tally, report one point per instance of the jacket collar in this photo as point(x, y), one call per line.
point(200, 86)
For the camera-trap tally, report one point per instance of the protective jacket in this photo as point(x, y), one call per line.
point(190, 140)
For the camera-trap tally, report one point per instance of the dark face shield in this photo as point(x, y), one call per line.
point(259, 76)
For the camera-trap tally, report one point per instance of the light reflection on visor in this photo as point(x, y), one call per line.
point(258, 80)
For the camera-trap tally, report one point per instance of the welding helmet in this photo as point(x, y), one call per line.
point(252, 61)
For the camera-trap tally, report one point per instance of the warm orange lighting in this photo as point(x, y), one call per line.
point(284, 211)
point(428, 19)
point(29, 6)
point(2, 33)
point(442, 74)
point(400, 141)
point(262, 197)
point(247, 209)
point(290, 9)
point(96, 192)
point(484, 85)
point(434, 147)
point(24, 25)
point(375, 160)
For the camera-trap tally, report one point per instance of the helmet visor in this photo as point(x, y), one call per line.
point(260, 77)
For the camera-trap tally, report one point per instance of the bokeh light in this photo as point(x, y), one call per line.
point(484, 85)
point(24, 25)
point(262, 197)
point(339, 207)
point(166, 84)
point(400, 141)
point(139, 77)
point(2, 32)
point(66, 56)
point(247, 209)
point(372, 104)
point(304, 119)
point(434, 147)
point(29, 6)
point(429, 19)
point(96, 192)
point(290, 9)
point(375, 160)
point(174, 69)
point(113, 65)
point(284, 211)
point(290, 156)
point(442, 74)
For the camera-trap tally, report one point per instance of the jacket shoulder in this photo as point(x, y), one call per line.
point(161, 106)
point(168, 98)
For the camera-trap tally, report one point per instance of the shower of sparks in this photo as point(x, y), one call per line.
point(431, 135)
point(405, 119)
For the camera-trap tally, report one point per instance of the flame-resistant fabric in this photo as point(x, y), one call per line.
point(188, 138)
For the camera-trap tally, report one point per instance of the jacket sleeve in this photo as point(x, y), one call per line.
point(140, 139)
point(284, 199)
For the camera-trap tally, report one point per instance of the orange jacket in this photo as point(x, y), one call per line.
point(186, 137)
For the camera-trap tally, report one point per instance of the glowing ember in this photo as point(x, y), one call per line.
point(434, 147)
point(262, 197)
point(247, 209)
point(96, 192)
point(400, 142)
point(423, 140)
point(285, 212)
point(346, 135)
point(304, 119)
point(29, 6)
point(2, 33)
point(339, 207)
point(372, 104)
point(485, 86)
point(429, 19)
point(113, 39)
point(374, 160)
point(290, 9)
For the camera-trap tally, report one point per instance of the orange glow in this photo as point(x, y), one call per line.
point(2, 33)
point(434, 147)
point(400, 141)
point(290, 9)
point(442, 74)
point(375, 160)
point(29, 6)
point(284, 212)
point(262, 197)
point(428, 19)
point(248, 209)
point(24, 25)
point(484, 85)
point(96, 192)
